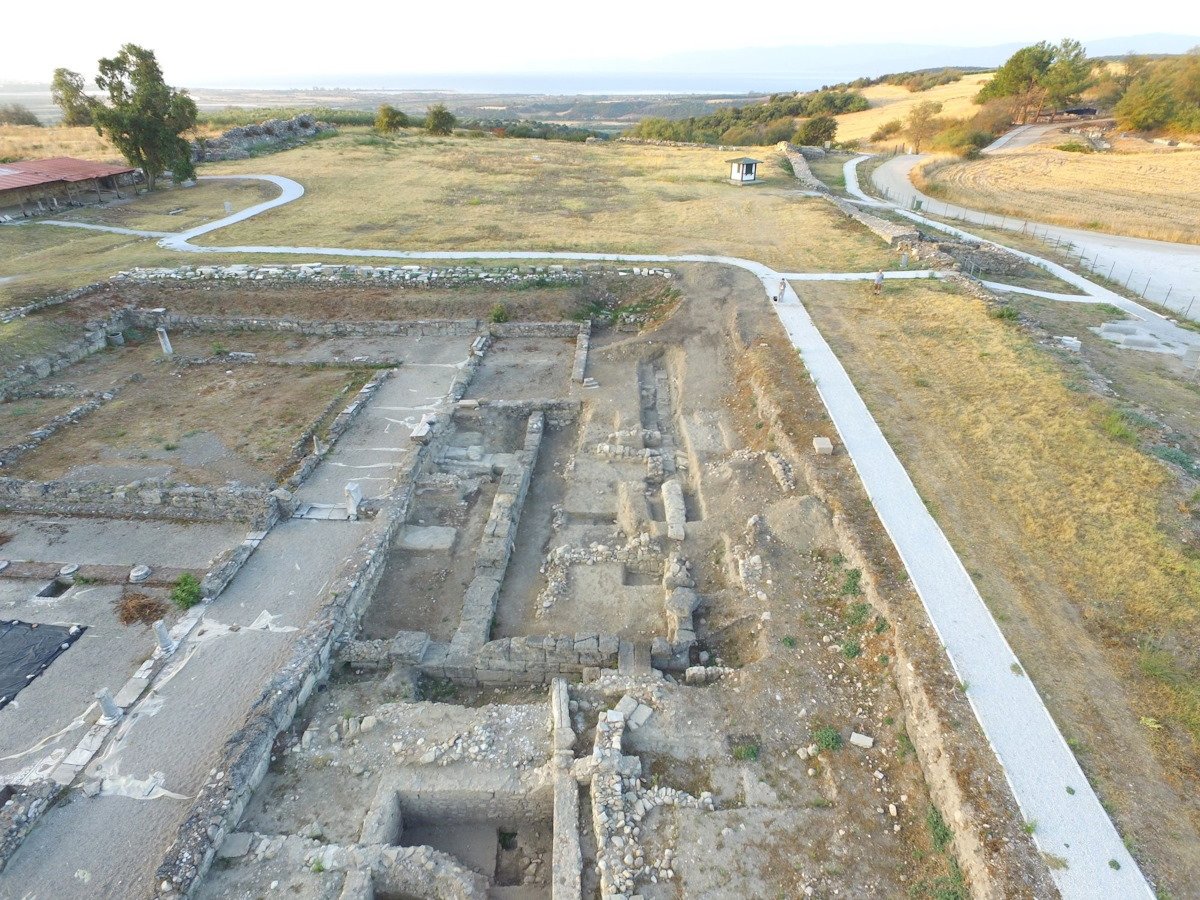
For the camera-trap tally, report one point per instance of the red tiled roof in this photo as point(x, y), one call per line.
point(31, 173)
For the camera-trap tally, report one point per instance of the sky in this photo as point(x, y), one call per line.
point(254, 43)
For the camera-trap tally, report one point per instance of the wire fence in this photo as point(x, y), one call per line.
point(1109, 269)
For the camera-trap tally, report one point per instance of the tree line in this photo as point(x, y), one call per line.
point(782, 117)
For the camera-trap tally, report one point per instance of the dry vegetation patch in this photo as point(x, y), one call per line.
point(1061, 523)
point(19, 142)
point(200, 424)
point(1150, 195)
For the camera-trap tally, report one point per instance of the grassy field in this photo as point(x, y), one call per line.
point(1073, 534)
point(1151, 195)
point(490, 194)
point(27, 142)
point(889, 101)
point(175, 208)
point(416, 192)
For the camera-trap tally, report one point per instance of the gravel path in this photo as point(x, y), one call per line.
point(1163, 272)
point(1154, 323)
point(1037, 762)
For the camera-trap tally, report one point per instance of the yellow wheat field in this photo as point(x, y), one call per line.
point(1150, 195)
point(888, 101)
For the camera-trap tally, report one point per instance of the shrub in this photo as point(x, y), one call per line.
point(440, 120)
point(852, 586)
point(1075, 147)
point(1004, 313)
point(747, 751)
point(134, 607)
point(851, 649)
point(858, 614)
point(499, 314)
point(186, 592)
point(827, 738)
point(816, 131)
point(388, 119)
point(939, 831)
point(16, 114)
point(887, 130)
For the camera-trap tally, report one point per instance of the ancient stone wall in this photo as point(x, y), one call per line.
point(273, 134)
point(801, 169)
point(11, 454)
point(891, 232)
point(152, 499)
point(26, 373)
point(20, 808)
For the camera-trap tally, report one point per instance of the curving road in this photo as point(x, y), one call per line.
point(1161, 271)
point(1036, 760)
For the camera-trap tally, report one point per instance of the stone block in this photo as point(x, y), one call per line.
point(823, 446)
point(861, 740)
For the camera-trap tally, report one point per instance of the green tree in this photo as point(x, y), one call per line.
point(1146, 106)
point(388, 119)
point(816, 131)
point(439, 120)
point(1021, 78)
point(16, 114)
point(144, 117)
point(1068, 76)
point(923, 122)
point(66, 90)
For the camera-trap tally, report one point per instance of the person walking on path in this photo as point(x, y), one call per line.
point(879, 282)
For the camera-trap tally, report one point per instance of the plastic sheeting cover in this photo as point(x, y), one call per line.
point(26, 649)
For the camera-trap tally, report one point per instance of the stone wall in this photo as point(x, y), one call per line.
point(891, 232)
point(13, 380)
point(11, 454)
point(151, 499)
point(801, 169)
point(495, 547)
point(21, 808)
point(412, 275)
point(247, 754)
point(273, 134)
point(20, 312)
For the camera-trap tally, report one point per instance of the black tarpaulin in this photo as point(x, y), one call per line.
point(26, 649)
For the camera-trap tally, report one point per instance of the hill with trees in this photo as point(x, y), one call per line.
point(777, 119)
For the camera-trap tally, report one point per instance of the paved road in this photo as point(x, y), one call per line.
point(1035, 757)
point(1169, 273)
point(1021, 137)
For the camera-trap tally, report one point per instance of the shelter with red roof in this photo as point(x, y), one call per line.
point(36, 186)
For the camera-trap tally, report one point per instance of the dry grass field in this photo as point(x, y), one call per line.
point(423, 193)
point(1071, 534)
point(28, 142)
point(1151, 194)
point(200, 424)
point(175, 208)
point(889, 101)
point(415, 192)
